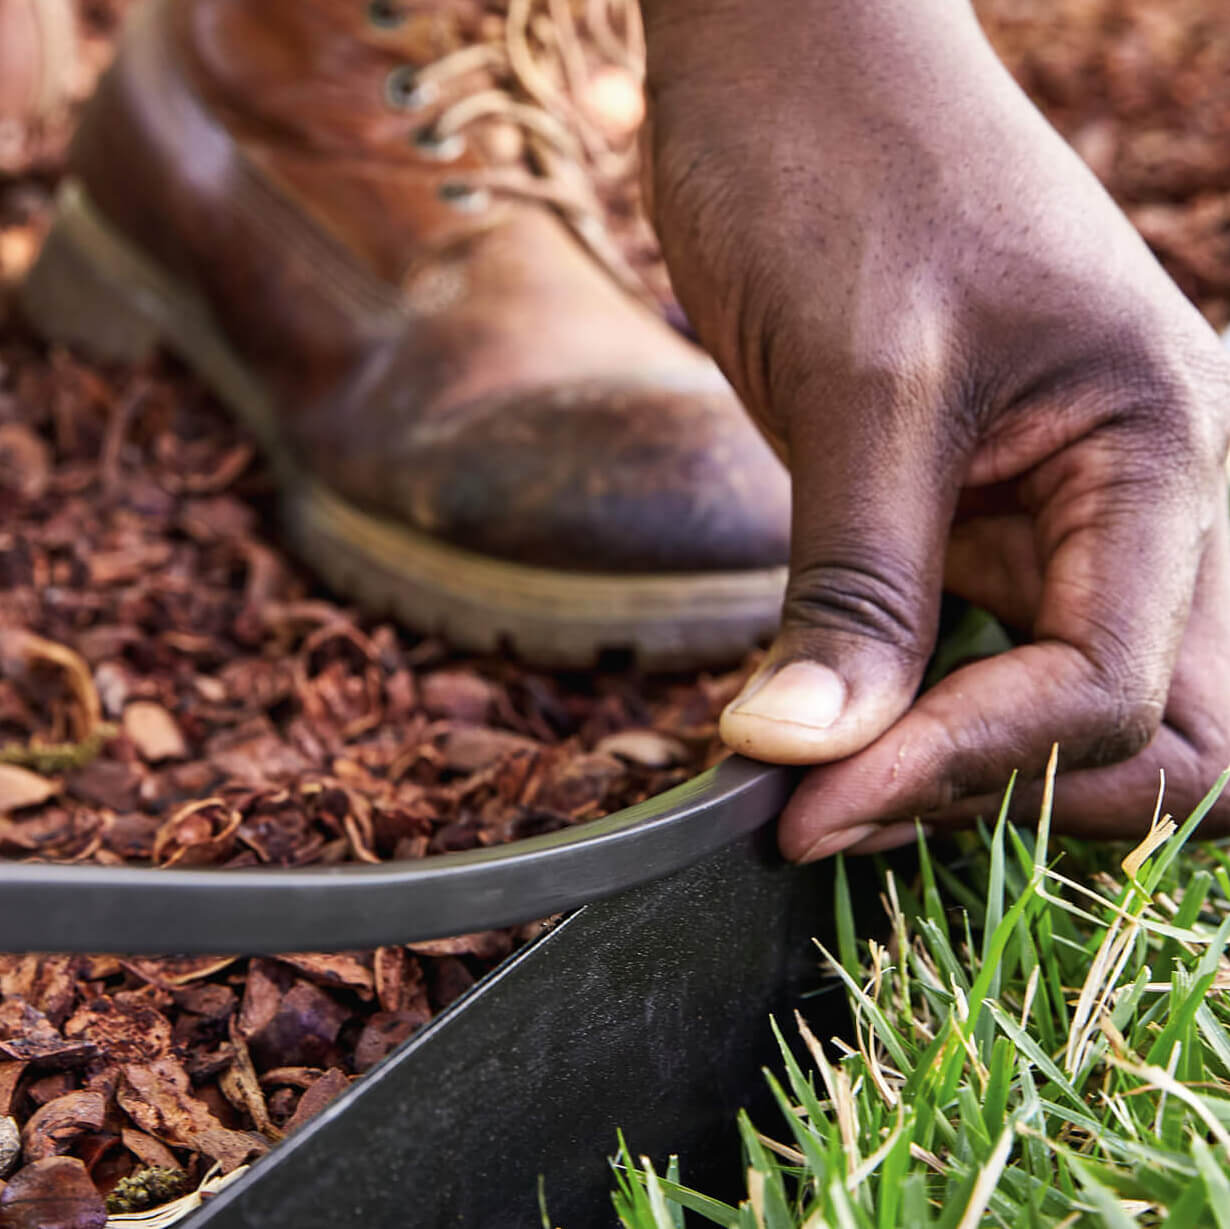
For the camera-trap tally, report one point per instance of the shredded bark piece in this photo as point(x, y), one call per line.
point(649, 748)
point(178, 970)
point(471, 748)
point(198, 834)
point(158, 1098)
point(26, 1035)
point(153, 731)
point(346, 969)
point(23, 654)
point(457, 694)
point(292, 1077)
point(332, 1084)
point(147, 1149)
point(292, 1025)
point(384, 1032)
point(25, 461)
point(49, 983)
point(242, 1088)
point(20, 788)
point(10, 1146)
point(54, 1193)
point(56, 1126)
point(487, 944)
point(124, 1029)
point(399, 981)
point(10, 1073)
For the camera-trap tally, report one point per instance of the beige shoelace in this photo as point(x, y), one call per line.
point(572, 156)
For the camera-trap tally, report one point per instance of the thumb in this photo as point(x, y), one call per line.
point(870, 524)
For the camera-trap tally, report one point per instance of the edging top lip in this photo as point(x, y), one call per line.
point(143, 910)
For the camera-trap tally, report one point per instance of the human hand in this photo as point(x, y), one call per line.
point(981, 380)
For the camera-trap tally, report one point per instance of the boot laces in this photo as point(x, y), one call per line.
point(537, 78)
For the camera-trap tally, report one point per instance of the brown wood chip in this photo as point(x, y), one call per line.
point(56, 1126)
point(26, 1035)
point(154, 732)
point(124, 1029)
point(10, 1146)
point(330, 1085)
point(351, 970)
point(55, 1193)
point(158, 1098)
point(649, 748)
point(20, 788)
point(147, 1149)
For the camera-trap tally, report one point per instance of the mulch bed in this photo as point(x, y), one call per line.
point(175, 690)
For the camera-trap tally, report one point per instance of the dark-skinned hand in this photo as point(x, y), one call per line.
point(981, 380)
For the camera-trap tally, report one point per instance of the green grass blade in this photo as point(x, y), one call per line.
point(1181, 1020)
point(1103, 1200)
point(713, 1210)
point(847, 946)
point(1213, 1174)
point(932, 904)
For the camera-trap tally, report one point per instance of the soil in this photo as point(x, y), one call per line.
point(176, 690)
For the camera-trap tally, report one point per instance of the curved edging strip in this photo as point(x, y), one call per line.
point(143, 910)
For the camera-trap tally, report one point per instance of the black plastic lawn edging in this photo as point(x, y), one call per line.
point(648, 1011)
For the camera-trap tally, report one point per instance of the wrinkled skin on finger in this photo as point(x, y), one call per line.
point(1191, 747)
point(982, 381)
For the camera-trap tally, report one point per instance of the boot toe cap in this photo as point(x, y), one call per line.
point(601, 478)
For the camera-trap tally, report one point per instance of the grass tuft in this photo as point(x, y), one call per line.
point(1044, 1042)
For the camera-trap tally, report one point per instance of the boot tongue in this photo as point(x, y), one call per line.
point(549, 102)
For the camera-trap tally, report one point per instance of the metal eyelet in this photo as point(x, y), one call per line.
point(464, 197)
point(439, 148)
point(387, 14)
point(404, 92)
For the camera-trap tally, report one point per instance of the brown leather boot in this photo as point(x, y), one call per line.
point(366, 227)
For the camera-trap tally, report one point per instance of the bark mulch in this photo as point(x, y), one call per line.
point(175, 690)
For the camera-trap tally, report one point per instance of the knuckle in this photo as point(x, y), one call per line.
point(1176, 387)
point(1125, 739)
point(1127, 712)
point(877, 601)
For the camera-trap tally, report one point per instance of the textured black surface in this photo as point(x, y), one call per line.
point(648, 1011)
point(85, 908)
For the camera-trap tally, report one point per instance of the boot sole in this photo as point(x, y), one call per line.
point(92, 289)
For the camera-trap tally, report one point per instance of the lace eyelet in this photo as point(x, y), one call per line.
point(404, 92)
point(387, 14)
point(464, 197)
point(439, 148)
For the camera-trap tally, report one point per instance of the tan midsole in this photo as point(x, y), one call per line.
point(592, 597)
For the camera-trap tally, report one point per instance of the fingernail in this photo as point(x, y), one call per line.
point(802, 693)
point(835, 842)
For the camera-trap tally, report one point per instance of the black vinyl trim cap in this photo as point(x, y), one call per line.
point(144, 910)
